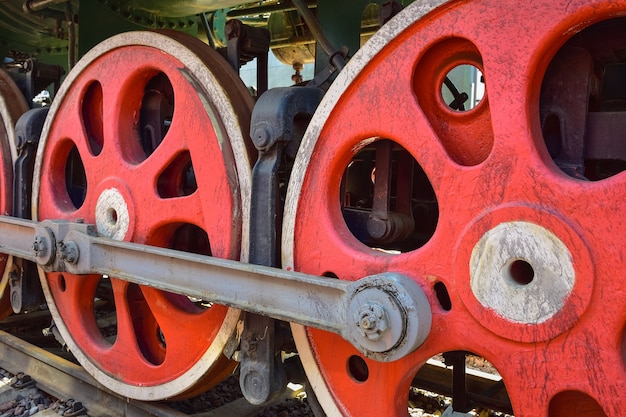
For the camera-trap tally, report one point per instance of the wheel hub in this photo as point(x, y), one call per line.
point(112, 218)
point(522, 271)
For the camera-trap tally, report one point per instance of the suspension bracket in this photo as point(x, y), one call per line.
point(24, 284)
point(246, 43)
point(274, 129)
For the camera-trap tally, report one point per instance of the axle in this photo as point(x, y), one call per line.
point(385, 316)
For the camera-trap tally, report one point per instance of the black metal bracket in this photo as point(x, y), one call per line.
point(26, 294)
point(460, 398)
point(388, 10)
point(279, 119)
point(246, 43)
point(39, 76)
point(23, 381)
point(330, 70)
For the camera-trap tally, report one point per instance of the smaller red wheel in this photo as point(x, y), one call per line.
point(147, 140)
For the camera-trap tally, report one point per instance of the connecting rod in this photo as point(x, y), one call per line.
point(385, 316)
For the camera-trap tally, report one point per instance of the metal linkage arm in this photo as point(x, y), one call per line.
point(17, 237)
point(385, 316)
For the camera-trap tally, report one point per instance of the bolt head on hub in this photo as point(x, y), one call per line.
point(372, 321)
point(390, 316)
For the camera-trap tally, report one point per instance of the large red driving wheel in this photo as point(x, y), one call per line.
point(12, 106)
point(147, 140)
point(523, 265)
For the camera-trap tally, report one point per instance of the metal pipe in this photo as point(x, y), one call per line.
point(207, 29)
point(281, 7)
point(33, 6)
point(336, 58)
point(71, 35)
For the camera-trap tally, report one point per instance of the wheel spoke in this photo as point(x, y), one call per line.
point(128, 309)
point(175, 314)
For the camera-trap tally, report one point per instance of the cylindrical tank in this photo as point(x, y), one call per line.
point(178, 8)
point(38, 27)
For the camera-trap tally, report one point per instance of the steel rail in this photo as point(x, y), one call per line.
point(384, 316)
point(65, 380)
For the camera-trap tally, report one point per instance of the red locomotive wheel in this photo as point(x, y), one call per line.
point(147, 140)
point(521, 263)
point(12, 106)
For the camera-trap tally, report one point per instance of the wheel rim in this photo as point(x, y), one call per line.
point(495, 187)
point(12, 106)
point(160, 190)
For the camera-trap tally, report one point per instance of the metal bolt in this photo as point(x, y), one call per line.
point(68, 251)
point(249, 345)
point(371, 321)
point(254, 386)
point(378, 228)
point(368, 322)
point(39, 245)
point(262, 136)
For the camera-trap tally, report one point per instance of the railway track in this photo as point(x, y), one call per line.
point(63, 379)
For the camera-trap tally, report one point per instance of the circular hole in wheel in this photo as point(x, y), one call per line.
point(521, 272)
point(75, 178)
point(112, 216)
point(145, 326)
point(91, 109)
point(463, 87)
point(178, 178)
point(431, 391)
point(583, 103)
point(443, 296)
point(449, 88)
point(387, 201)
point(61, 281)
point(564, 402)
point(104, 310)
point(156, 113)
point(358, 369)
